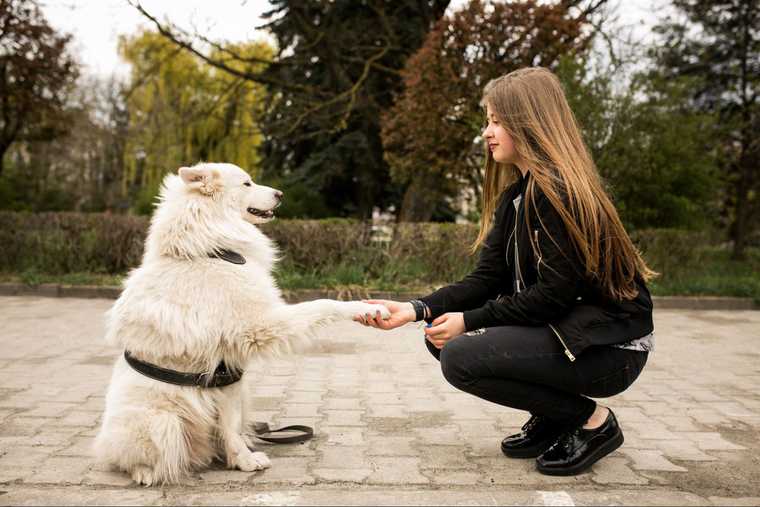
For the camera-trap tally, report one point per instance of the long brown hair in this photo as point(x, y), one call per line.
point(531, 106)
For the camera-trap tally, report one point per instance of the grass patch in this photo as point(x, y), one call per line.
point(715, 274)
point(31, 277)
point(711, 273)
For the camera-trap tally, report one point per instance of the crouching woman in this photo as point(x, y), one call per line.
point(557, 311)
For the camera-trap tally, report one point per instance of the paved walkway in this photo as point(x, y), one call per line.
point(389, 428)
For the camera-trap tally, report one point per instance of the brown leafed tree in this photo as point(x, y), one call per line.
point(431, 134)
point(36, 72)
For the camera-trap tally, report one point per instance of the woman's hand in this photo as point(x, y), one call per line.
point(401, 313)
point(444, 328)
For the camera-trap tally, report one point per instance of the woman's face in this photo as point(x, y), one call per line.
point(499, 141)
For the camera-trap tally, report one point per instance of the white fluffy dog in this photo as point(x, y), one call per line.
point(203, 297)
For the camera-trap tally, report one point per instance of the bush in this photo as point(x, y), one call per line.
point(341, 253)
point(58, 243)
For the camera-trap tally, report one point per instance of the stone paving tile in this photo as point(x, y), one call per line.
point(395, 470)
point(293, 410)
point(683, 450)
point(340, 404)
point(344, 418)
point(60, 470)
point(382, 445)
point(386, 419)
point(614, 470)
point(739, 502)
point(651, 460)
point(52, 409)
point(387, 411)
point(343, 435)
point(106, 478)
point(440, 457)
point(357, 475)
point(24, 456)
point(292, 471)
point(710, 441)
point(80, 446)
point(343, 457)
point(452, 477)
point(678, 422)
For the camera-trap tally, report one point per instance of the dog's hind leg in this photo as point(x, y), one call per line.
point(236, 450)
point(173, 461)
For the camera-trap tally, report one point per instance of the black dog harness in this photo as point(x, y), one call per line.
point(222, 376)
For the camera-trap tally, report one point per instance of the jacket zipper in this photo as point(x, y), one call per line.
point(519, 282)
point(518, 279)
point(569, 354)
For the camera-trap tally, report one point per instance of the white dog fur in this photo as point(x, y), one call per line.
point(185, 311)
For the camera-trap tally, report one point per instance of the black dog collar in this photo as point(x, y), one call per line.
point(227, 255)
point(223, 376)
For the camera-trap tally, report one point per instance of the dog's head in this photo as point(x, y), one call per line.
point(232, 187)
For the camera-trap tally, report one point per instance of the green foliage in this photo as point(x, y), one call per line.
point(182, 111)
point(337, 70)
point(652, 150)
point(58, 243)
point(716, 44)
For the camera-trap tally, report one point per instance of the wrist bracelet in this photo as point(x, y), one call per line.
point(419, 309)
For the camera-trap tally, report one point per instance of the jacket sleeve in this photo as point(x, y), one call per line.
point(485, 281)
point(560, 279)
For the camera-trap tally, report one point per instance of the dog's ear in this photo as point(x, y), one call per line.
point(204, 179)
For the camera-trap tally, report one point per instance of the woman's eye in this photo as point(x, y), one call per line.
point(247, 183)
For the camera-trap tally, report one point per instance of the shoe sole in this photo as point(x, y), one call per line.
point(603, 451)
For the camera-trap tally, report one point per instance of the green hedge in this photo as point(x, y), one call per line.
point(337, 252)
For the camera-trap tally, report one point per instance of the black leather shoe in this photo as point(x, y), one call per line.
point(578, 449)
point(536, 436)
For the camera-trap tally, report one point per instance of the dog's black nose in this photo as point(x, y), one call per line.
point(278, 195)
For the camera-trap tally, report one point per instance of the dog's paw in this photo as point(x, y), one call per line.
point(143, 475)
point(252, 461)
point(372, 310)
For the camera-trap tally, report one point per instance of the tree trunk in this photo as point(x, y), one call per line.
point(419, 200)
point(741, 223)
point(3, 149)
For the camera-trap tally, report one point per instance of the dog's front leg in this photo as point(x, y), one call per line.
point(230, 424)
point(303, 317)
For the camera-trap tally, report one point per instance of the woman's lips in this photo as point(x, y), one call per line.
point(492, 146)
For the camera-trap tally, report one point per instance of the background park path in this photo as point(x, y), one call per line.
point(389, 429)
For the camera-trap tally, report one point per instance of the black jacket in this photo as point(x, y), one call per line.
point(553, 288)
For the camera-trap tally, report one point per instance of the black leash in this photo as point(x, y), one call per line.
point(264, 432)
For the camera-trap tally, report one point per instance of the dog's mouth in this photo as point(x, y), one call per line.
point(261, 213)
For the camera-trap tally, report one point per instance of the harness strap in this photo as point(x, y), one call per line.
point(222, 376)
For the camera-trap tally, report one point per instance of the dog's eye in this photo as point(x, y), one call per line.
point(247, 183)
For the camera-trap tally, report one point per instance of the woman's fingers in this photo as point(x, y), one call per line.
point(439, 320)
point(438, 343)
point(436, 332)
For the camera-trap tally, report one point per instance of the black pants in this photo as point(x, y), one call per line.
point(526, 368)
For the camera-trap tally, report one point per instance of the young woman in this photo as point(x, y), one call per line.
point(557, 310)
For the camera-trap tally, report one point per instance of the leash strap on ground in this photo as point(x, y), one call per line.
point(264, 432)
